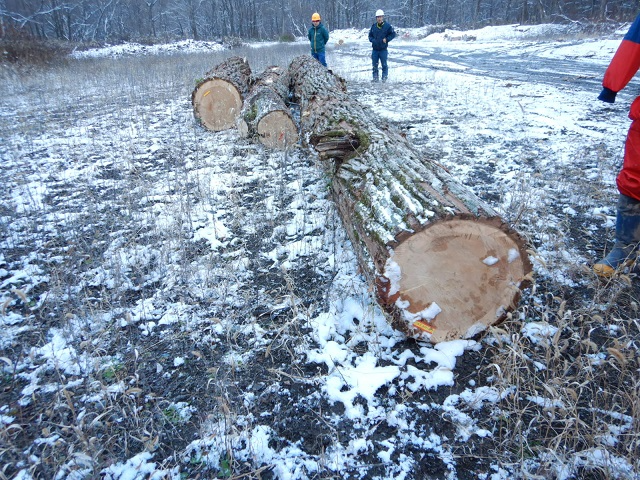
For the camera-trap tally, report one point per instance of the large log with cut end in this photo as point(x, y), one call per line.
point(442, 262)
point(265, 115)
point(217, 99)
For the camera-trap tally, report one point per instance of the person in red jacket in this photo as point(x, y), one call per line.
point(623, 67)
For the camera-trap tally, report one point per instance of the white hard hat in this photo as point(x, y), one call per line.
point(379, 13)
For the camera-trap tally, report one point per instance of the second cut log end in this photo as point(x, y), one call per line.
point(277, 130)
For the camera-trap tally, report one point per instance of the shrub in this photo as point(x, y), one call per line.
point(287, 37)
point(232, 42)
point(21, 48)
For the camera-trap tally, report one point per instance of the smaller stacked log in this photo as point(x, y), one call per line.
point(265, 115)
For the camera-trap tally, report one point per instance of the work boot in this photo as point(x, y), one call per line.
point(627, 238)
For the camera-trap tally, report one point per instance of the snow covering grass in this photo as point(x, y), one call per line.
point(177, 303)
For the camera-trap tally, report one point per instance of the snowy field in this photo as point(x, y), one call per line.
point(178, 303)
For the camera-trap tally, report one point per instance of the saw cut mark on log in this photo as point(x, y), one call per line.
point(265, 114)
point(443, 264)
point(217, 100)
point(457, 277)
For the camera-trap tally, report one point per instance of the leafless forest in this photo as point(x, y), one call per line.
point(154, 20)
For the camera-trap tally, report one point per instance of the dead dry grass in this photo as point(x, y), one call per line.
point(567, 391)
point(572, 390)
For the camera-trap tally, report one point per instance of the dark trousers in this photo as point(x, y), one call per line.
point(380, 56)
point(320, 57)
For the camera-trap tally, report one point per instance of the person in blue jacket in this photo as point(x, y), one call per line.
point(318, 37)
point(380, 35)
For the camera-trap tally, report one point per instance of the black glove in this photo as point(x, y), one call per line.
point(607, 95)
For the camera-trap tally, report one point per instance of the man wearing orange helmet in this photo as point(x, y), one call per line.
point(318, 36)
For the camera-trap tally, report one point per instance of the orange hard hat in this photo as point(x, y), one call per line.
point(315, 17)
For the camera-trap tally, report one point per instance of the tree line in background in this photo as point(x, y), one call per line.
point(122, 20)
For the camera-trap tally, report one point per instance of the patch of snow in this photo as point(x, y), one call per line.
point(184, 46)
point(490, 260)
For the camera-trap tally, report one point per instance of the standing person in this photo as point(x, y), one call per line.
point(380, 35)
point(318, 36)
point(623, 67)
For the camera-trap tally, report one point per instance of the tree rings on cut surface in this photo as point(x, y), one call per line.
point(455, 278)
point(277, 130)
point(217, 99)
point(217, 103)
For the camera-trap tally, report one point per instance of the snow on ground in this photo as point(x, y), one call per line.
point(124, 219)
point(132, 48)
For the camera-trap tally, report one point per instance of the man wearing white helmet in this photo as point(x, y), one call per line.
point(380, 35)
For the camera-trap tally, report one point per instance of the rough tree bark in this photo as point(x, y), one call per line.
point(265, 115)
point(442, 262)
point(217, 100)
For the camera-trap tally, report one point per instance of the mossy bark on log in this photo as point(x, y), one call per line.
point(265, 115)
point(442, 262)
point(218, 98)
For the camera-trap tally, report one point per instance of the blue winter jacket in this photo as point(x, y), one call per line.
point(379, 32)
point(318, 36)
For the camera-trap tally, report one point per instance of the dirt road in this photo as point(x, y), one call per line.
point(529, 63)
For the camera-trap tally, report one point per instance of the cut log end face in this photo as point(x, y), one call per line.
point(454, 279)
point(217, 103)
point(277, 130)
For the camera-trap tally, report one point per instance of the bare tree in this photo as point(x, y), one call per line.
point(117, 20)
point(150, 16)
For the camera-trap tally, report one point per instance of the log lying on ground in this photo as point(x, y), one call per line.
point(217, 100)
point(442, 262)
point(265, 115)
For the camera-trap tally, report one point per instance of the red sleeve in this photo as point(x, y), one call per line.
point(623, 66)
point(626, 61)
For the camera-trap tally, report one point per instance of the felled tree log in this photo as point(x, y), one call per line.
point(265, 115)
point(217, 99)
point(443, 264)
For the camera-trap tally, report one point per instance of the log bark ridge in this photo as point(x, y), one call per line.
point(443, 263)
point(265, 115)
point(217, 99)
